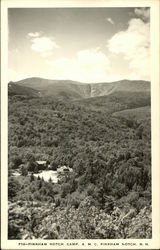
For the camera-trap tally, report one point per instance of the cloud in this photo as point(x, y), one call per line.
point(87, 66)
point(143, 13)
point(42, 44)
point(110, 20)
point(35, 34)
point(128, 41)
point(134, 45)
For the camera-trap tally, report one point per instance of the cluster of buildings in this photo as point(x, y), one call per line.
point(43, 169)
point(60, 170)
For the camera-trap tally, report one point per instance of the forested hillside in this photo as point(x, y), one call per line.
point(108, 194)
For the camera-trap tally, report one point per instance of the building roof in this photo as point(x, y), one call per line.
point(41, 162)
point(63, 168)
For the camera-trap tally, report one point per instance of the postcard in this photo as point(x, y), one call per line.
point(80, 124)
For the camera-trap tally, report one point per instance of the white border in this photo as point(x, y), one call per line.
point(153, 243)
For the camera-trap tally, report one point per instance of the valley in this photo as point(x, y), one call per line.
point(101, 131)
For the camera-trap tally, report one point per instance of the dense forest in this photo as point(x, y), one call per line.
point(106, 140)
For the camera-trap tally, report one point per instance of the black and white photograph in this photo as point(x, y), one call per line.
point(79, 123)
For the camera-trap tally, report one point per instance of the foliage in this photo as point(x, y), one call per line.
point(45, 221)
point(108, 194)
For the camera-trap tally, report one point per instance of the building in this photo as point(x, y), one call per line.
point(42, 164)
point(64, 169)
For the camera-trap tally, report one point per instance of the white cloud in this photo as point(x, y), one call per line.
point(42, 44)
point(87, 66)
point(110, 20)
point(128, 41)
point(143, 13)
point(134, 44)
point(34, 34)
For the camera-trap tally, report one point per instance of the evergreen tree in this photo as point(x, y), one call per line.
point(32, 177)
point(39, 178)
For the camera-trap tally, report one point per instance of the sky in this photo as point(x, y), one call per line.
point(79, 44)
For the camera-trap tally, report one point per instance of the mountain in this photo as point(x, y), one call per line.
point(117, 101)
point(101, 89)
point(67, 89)
point(15, 89)
point(63, 89)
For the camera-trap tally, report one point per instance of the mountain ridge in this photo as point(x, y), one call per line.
point(74, 90)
